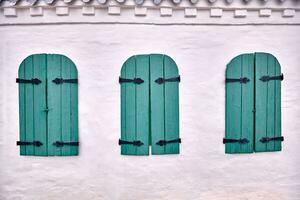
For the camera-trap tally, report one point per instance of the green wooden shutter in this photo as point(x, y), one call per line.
point(267, 102)
point(135, 106)
point(253, 108)
point(32, 105)
point(149, 111)
point(240, 104)
point(164, 105)
point(48, 111)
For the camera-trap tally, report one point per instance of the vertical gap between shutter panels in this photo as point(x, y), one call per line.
point(267, 102)
point(46, 90)
point(164, 86)
point(135, 107)
point(149, 101)
point(60, 87)
point(33, 115)
point(241, 123)
point(254, 97)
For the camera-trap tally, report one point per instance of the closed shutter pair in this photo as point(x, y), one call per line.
point(253, 104)
point(149, 105)
point(48, 106)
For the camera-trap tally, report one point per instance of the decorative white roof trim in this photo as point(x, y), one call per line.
point(196, 15)
point(216, 12)
point(10, 12)
point(166, 12)
point(265, 12)
point(240, 13)
point(190, 12)
point(88, 10)
point(114, 10)
point(289, 13)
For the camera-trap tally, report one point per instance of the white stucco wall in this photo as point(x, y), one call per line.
point(202, 170)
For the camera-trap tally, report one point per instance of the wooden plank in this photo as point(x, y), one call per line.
point(270, 102)
point(74, 150)
point(277, 96)
point(65, 106)
point(247, 117)
point(261, 99)
point(22, 108)
point(129, 134)
point(233, 105)
point(54, 103)
point(29, 107)
point(142, 104)
point(157, 103)
point(171, 94)
point(39, 98)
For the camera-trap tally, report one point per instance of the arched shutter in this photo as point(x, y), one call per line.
point(62, 99)
point(239, 105)
point(149, 105)
point(135, 106)
point(48, 106)
point(164, 105)
point(32, 105)
point(253, 104)
point(268, 103)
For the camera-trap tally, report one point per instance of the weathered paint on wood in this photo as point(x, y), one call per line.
point(240, 104)
point(48, 112)
point(268, 106)
point(149, 111)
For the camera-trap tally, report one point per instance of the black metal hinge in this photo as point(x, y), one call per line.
point(163, 80)
point(61, 81)
point(269, 78)
point(134, 143)
point(267, 139)
point(34, 143)
point(135, 80)
point(61, 143)
point(34, 81)
point(241, 141)
point(165, 142)
point(240, 80)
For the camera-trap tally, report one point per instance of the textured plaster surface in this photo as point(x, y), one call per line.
point(202, 170)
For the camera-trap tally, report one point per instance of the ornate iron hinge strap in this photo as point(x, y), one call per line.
point(61, 81)
point(34, 81)
point(241, 141)
point(134, 143)
point(163, 80)
point(135, 80)
point(269, 78)
point(165, 142)
point(61, 143)
point(34, 143)
point(268, 139)
point(240, 80)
